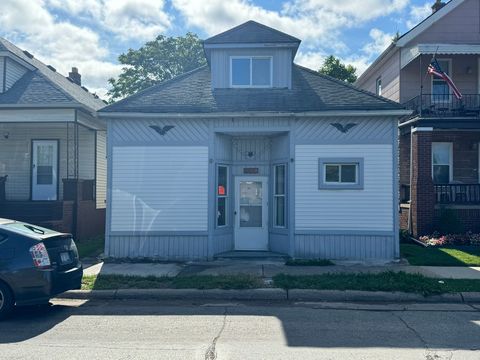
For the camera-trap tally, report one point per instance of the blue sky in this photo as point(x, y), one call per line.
point(90, 34)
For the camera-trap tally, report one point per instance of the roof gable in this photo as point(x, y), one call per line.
point(251, 32)
point(50, 79)
point(428, 22)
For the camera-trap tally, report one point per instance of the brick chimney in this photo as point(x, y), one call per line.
point(75, 76)
point(438, 5)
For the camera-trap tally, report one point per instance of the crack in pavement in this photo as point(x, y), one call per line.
point(415, 332)
point(211, 353)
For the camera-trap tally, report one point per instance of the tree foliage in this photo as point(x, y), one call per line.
point(334, 68)
point(156, 61)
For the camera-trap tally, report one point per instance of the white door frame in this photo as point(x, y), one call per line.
point(251, 238)
point(49, 191)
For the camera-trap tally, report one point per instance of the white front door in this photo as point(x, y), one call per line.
point(251, 213)
point(44, 169)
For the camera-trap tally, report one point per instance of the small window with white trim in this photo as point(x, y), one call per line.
point(222, 195)
point(340, 173)
point(249, 71)
point(378, 86)
point(279, 194)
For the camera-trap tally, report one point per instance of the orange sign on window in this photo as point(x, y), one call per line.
point(221, 190)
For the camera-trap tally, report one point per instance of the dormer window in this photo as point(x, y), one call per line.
point(251, 71)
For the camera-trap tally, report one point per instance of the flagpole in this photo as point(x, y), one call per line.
point(421, 85)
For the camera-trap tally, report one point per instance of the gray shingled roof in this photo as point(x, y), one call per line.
point(193, 93)
point(44, 86)
point(251, 32)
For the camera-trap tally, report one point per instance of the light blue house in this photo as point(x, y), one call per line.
point(252, 152)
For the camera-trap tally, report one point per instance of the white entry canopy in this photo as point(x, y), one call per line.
point(411, 53)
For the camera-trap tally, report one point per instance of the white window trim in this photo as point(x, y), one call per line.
point(330, 185)
point(432, 77)
point(284, 195)
point(251, 71)
point(450, 159)
point(226, 196)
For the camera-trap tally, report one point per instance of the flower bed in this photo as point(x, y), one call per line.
point(469, 238)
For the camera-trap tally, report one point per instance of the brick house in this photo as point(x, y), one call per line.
point(439, 143)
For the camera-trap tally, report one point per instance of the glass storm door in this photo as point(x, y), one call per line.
point(251, 213)
point(44, 169)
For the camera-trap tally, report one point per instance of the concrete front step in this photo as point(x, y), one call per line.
point(251, 255)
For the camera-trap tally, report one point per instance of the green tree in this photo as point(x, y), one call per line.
point(156, 61)
point(334, 68)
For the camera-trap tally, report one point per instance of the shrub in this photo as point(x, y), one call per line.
point(436, 239)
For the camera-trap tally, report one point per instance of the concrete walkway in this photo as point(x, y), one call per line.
point(269, 268)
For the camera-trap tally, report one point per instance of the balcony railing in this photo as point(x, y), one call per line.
point(464, 194)
point(430, 105)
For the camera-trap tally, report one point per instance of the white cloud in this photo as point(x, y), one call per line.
point(310, 59)
point(381, 41)
point(418, 13)
point(127, 19)
point(316, 22)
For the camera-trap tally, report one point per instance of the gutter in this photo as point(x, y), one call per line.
point(353, 113)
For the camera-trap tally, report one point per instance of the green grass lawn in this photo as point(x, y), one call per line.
point(90, 247)
point(386, 281)
point(434, 256)
point(113, 282)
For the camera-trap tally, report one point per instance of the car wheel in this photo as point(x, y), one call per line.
point(6, 301)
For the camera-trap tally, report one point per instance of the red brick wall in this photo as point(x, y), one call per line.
point(404, 159)
point(404, 217)
point(423, 196)
point(469, 216)
point(90, 220)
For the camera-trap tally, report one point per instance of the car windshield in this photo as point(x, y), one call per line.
point(28, 228)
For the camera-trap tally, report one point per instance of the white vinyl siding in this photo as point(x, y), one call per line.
point(86, 153)
point(14, 73)
point(101, 171)
point(370, 208)
point(159, 188)
point(2, 60)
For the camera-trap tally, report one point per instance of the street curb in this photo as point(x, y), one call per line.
point(269, 294)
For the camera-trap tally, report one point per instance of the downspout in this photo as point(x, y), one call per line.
point(411, 177)
point(75, 163)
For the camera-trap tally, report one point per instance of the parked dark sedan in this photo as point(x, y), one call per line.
point(35, 264)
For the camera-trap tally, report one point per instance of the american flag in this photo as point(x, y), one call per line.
point(435, 69)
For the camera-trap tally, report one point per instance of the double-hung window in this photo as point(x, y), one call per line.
point(340, 173)
point(279, 192)
point(222, 195)
point(251, 71)
point(442, 163)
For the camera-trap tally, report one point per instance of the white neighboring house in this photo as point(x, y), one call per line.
point(52, 146)
point(252, 153)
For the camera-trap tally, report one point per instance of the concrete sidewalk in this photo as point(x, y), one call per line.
point(269, 268)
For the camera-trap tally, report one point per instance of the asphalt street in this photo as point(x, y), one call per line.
point(75, 329)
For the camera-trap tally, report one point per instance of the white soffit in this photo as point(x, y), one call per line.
point(411, 53)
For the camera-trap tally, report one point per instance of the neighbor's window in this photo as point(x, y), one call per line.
point(279, 193)
point(251, 71)
point(442, 163)
point(378, 86)
point(222, 195)
point(440, 89)
point(341, 173)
